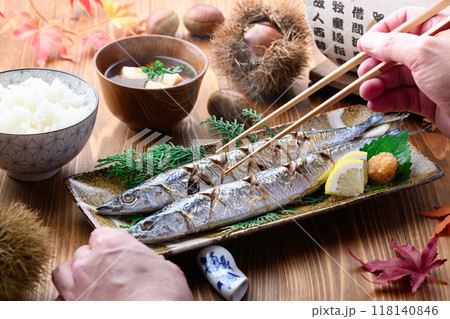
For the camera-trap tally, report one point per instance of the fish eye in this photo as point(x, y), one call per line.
point(147, 225)
point(128, 198)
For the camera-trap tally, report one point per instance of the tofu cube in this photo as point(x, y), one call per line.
point(131, 72)
point(171, 79)
point(151, 84)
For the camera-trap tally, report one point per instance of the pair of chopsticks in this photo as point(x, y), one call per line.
point(376, 71)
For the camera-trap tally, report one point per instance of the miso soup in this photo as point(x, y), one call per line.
point(171, 65)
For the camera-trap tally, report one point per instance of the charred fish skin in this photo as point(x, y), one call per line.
point(328, 138)
point(192, 178)
point(236, 201)
point(200, 212)
point(198, 176)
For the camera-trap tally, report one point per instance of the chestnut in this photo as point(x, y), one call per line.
point(163, 22)
point(259, 36)
point(202, 19)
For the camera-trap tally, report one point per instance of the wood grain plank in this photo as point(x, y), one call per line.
point(293, 262)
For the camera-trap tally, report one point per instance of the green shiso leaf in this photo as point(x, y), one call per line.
point(399, 147)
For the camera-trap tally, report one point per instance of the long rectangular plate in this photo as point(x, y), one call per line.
point(91, 189)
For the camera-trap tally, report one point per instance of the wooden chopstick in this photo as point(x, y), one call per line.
point(405, 27)
point(376, 71)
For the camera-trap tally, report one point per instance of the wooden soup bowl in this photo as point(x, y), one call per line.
point(157, 109)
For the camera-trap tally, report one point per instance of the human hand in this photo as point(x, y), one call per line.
point(116, 266)
point(421, 84)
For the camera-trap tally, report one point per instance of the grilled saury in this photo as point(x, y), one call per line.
point(229, 203)
point(165, 188)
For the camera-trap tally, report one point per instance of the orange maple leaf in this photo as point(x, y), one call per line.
point(87, 5)
point(439, 212)
point(43, 38)
point(120, 14)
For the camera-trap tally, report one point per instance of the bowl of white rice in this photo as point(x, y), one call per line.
point(46, 118)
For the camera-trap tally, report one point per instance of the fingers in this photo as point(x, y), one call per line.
point(396, 47)
point(402, 15)
point(82, 252)
point(105, 236)
point(404, 99)
point(395, 77)
point(367, 65)
point(402, 48)
point(394, 20)
point(62, 278)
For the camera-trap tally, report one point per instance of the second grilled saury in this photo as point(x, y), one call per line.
point(200, 175)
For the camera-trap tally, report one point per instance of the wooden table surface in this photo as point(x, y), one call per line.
point(310, 262)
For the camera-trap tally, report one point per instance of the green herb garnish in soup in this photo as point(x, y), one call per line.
point(160, 72)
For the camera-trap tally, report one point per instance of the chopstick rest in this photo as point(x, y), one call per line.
point(220, 269)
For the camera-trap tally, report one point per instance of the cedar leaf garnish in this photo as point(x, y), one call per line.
point(133, 167)
point(228, 129)
point(132, 219)
point(413, 264)
point(315, 198)
point(256, 117)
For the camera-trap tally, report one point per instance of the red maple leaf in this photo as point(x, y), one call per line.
point(87, 5)
point(43, 38)
point(97, 38)
point(440, 212)
point(1, 14)
point(413, 264)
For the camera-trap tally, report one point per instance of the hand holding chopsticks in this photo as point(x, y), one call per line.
point(379, 69)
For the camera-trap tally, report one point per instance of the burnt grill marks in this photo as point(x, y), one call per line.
point(251, 163)
point(299, 169)
point(188, 219)
point(223, 165)
point(252, 180)
point(326, 157)
point(276, 152)
point(167, 189)
point(292, 170)
point(193, 185)
point(195, 177)
point(300, 137)
point(214, 196)
point(244, 149)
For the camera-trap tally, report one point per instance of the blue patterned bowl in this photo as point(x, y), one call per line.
point(35, 157)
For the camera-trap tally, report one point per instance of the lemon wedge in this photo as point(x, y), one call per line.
point(346, 178)
point(357, 155)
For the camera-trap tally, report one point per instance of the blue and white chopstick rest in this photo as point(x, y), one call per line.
point(220, 269)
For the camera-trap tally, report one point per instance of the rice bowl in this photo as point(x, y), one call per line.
point(36, 155)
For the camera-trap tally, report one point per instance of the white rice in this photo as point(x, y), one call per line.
point(35, 106)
